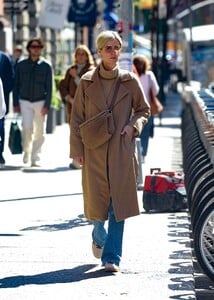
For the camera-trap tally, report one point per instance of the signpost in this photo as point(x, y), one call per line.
point(126, 60)
point(125, 24)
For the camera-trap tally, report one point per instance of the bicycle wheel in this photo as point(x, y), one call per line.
point(204, 240)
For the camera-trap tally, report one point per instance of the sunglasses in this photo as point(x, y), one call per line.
point(109, 49)
point(36, 47)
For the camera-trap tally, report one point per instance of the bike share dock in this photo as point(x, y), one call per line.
point(198, 162)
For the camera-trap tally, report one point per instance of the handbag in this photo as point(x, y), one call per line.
point(15, 138)
point(156, 105)
point(97, 130)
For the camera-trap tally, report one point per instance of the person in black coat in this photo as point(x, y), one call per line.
point(7, 77)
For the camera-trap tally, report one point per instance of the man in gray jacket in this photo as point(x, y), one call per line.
point(32, 97)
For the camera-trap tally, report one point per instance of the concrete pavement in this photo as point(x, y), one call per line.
point(45, 241)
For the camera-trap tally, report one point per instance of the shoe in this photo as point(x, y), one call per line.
point(26, 158)
point(110, 267)
point(74, 166)
point(35, 164)
point(97, 250)
point(143, 159)
point(2, 160)
point(140, 187)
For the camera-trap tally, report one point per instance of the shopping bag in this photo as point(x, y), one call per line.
point(15, 138)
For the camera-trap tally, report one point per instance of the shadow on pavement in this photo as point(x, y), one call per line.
point(45, 170)
point(10, 234)
point(67, 224)
point(61, 276)
point(181, 259)
point(34, 169)
point(40, 197)
point(10, 168)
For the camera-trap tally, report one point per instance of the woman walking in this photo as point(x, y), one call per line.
point(83, 62)
point(109, 172)
point(149, 84)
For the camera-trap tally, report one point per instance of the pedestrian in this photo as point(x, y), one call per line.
point(82, 62)
point(147, 78)
point(109, 172)
point(2, 101)
point(32, 97)
point(7, 77)
point(17, 55)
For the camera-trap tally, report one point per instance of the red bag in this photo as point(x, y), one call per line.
point(164, 191)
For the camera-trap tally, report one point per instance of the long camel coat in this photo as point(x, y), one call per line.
point(110, 171)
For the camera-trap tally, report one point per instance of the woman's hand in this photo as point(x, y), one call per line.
point(70, 99)
point(79, 160)
point(129, 130)
point(73, 72)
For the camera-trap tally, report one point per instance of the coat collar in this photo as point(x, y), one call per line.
point(95, 92)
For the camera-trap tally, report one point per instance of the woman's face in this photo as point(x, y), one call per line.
point(81, 57)
point(110, 53)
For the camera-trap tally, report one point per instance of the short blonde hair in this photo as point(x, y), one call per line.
point(106, 36)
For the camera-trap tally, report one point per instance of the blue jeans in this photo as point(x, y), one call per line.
point(111, 240)
point(146, 133)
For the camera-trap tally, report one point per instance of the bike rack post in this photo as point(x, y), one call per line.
point(140, 169)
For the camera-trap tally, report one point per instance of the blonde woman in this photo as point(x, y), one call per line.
point(109, 172)
point(83, 62)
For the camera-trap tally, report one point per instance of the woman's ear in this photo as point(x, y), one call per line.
point(99, 53)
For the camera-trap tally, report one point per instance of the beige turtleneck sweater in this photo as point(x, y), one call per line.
point(108, 81)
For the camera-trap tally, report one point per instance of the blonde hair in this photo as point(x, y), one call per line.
point(84, 48)
point(106, 36)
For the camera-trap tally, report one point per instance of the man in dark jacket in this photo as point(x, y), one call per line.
point(32, 97)
point(7, 77)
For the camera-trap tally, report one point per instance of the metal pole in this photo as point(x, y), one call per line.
point(13, 23)
point(126, 60)
point(125, 12)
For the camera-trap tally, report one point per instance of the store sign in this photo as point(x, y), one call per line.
point(53, 13)
point(83, 12)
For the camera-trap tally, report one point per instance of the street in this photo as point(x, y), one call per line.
point(45, 241)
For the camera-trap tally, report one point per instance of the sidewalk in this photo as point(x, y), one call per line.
point(45, 242)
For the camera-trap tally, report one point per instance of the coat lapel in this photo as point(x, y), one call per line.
point(95, 91)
